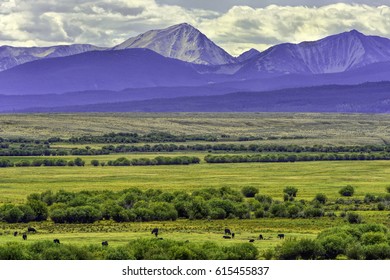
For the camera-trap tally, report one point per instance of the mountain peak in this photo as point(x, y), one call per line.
point(181, 41)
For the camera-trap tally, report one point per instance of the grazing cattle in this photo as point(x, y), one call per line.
point(226, 237)
point(233, 234)
point(227, 231)
point(155, 231)
point(105, 243)
point(24, 236)
point(251, 240)
point(57, 241)
point(281, 235)
point(15, 233)
point(261, 237)
point(31, 229)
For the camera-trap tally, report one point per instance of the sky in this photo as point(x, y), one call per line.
point(236, 26)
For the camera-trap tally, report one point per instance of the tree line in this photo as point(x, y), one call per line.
point(135, 205)
point(294, 157)
point(122, 161)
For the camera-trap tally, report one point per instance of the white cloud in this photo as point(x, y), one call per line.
point(109, 22)
point(265, 27)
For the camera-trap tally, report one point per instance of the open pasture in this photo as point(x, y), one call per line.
point(309, 177)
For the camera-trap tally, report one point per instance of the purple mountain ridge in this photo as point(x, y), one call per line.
point(333, 54)
point(180, 61)
point(14, 56)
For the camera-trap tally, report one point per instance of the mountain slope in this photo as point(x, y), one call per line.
point(98, 70)
point(14, 56)
point(247, 55)
point(364, 98)
point(333, 54)
point(182, 42)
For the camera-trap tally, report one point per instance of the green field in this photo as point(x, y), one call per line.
point(310, 178)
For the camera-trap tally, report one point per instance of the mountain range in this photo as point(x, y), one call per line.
point(180, 64)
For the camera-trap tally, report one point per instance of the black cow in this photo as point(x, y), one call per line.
point(31, 229)
point(281, 235)
point(251, 240)
point(227, 231)
point(233, 234)
point(15, 233)
point(105, 243)
point(24, 236)
point(57, 241)
point(226, 237)
point(261, 237)
point(155, 231)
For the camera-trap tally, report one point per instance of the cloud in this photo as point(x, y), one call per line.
point(110, 22)
point(264, 27)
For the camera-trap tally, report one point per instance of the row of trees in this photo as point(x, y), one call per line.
point(139, 249)
point(294, 157)
point(42, 162)
point(246, 148)
point(122, 161)
point(160, 160)
point(356, 242)
point(156, 205)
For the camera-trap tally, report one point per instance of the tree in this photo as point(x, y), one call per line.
point(321, 198)
point(347, 191)
point(249, 191)
point(79, 162)
point(95, 162)
point(290, 193)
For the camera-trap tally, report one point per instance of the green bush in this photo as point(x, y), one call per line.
point(320, 198)
point(249, 191)
point(304, 249)
point(290, 193)
point(353, 218)
point(347, 191)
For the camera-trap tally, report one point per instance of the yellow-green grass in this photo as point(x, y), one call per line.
point(271, 178)
point(197, 231)
point(338, 129)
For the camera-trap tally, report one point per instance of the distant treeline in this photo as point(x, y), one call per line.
point(294, 157)
point(122, 161)
point(34, 149)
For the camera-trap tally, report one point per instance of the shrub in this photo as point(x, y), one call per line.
point(79, 162)
point(353, 218)
point(321, 198)
point(305, 249)
point(381, 206)
point(95, 162)
point(263, 198)
point(347, 191)
point(217, 213)
point(290, 193)
point(249, 191)
point(368, 198)
point(377, 251)
point(13, 215)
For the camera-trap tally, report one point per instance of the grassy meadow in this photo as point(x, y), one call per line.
point(310, 178)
